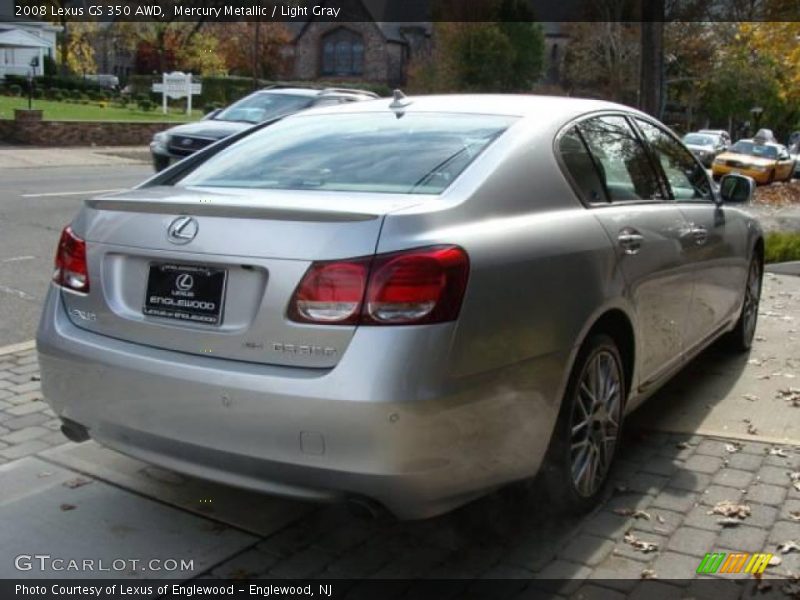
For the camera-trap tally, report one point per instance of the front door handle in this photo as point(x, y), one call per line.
point(630, 240)
point(700, 234)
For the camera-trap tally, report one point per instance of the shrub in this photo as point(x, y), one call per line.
point(38, 93)
point(782, 246)
point(58, 95)
point(75, 94)
point(84, 99)
point(49, 66)
point(146, 104)
point(15, 89)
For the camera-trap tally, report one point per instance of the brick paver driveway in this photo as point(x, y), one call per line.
point(656, 521)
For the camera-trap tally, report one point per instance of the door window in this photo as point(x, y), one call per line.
point(621, 159)
point(581, 167)
point(687, 178)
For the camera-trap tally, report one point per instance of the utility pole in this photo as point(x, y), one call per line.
point(651, 75)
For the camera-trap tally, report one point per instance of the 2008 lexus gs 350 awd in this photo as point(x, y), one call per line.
point(408, 300)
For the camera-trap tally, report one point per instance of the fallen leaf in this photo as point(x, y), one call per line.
point(726, 508)
point(683, 445)
point(794, 515)
point(775, 561)
point(35, 378)
point(629, 512)
point(750, 397)
point(77, 482)
point(788, 546)
point(734, 447)
point(66, 507)
point(795, 477)
point(638, 544)
point(661, 519)
point(778, 452)
point(729, 522)
point(649, 574)
point(45, 474)
point(751, 429)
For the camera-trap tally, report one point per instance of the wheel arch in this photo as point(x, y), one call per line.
point(615, 323)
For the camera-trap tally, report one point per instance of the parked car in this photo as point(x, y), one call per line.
point(705, 146)
point(105, 80)
point(765, 162)
point(180, 141)
point(726, 137)
point(406, 302)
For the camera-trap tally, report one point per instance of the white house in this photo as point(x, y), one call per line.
point(23, 43)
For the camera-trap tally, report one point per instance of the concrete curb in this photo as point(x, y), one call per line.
point(21, 347)
point(784, 268)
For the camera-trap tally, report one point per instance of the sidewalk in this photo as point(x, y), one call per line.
point(81, 500)
point(18, 157)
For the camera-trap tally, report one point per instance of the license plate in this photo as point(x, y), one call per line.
point(185, 292)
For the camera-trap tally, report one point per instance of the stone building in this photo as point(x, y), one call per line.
point(360, 48)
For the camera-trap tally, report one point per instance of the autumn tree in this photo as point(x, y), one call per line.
point(602, 60)
point(251, 48)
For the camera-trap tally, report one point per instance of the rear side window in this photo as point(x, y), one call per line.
point(359, 152)
point(686, 177)
point(581, 167)
point(622, 160)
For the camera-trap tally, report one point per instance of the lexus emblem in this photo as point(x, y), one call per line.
point(182, 230)
point(184, 282)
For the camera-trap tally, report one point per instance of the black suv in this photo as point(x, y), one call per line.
point(263, 105)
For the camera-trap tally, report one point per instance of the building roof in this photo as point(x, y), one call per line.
point(17, 38)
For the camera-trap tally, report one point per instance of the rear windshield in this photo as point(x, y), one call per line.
point(263, 106)
point(364, 152)
point(698, 140)
point(743, 147)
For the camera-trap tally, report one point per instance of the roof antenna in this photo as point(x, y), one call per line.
point(399, 102)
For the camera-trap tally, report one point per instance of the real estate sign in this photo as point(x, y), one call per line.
point(177, 85)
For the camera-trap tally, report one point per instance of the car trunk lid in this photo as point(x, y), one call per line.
point(244, 252)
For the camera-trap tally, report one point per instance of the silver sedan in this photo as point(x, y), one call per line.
point(405, 301)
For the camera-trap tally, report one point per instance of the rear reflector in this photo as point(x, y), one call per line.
point(71, 271)
point(411, 287)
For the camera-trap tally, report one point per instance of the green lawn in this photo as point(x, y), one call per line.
point(57, 111)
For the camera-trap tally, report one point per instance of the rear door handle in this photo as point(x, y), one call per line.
point(630, 240)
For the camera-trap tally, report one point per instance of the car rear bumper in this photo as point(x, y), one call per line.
point(409, 438)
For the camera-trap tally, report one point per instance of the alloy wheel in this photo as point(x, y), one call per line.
point(595, 422)
point(752, 296)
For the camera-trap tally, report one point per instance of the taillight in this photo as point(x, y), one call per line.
point(411, 287)
point(71, 271)
point(331, 292)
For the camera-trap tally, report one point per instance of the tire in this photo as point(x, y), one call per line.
point(579, 459)
point(741, 338)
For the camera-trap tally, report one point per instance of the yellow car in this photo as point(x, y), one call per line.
point(763, 161)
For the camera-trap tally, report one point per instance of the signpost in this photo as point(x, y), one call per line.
point(177, 85)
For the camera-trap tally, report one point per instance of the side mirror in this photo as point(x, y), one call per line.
point(212, 114)
point(737, 189)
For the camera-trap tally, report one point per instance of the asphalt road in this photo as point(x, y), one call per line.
point(35, 204)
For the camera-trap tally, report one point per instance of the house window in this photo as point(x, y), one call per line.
point(342, 53)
